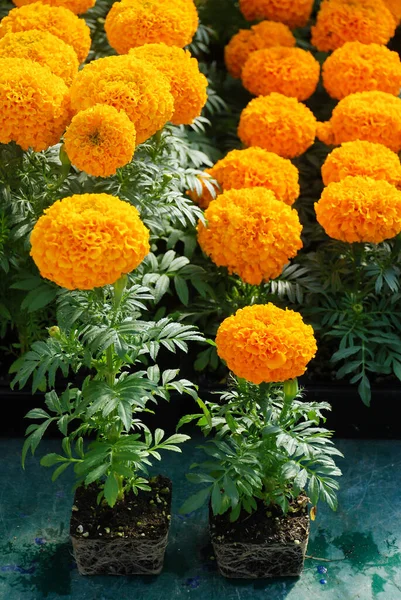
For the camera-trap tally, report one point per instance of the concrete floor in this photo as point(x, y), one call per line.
point(359, 546)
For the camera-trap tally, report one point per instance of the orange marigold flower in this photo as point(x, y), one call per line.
point(188, 84)
point(100, 140)
point(264, 343)
point(34, 104)
point(340, 21)
point(57, 20)
point(394, 7)
point(251, 233)
point(44, 48)
point(133, 23)
point(289, 71)
point(263, 35)
point(76, 6)
point(370, 116)
point(362, 158)
point(89, 240)
point(278, 124)
point(294, 13)
point(360, 209)
point(254, 167)
point(357, 67)
point(128, 84)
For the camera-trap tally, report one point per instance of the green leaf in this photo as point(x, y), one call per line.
point(231, 490)
point(181, 287)
point(187, 419)
point(158, 436)
point(235, 513)
point(216, 498)
point(37, 413)
point(49, 460)
point(364, 390)
point(97, 474)
point(161, 287)
point(196, 501)
point(313, 490)
point(33, 440)
point(57, 472)
point(111, 489)
point(39, 298)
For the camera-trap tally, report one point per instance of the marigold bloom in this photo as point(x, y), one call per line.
point(133, 23)
point(100, 140)
point(251, 233)
point(43, 48)
point(76, 6)
point(264, 343)
point(360, 209)
point(294, 13)
point(89, 240)
point(278, 124)
point(290, 71)
point(263, 35)
point(55, 19)
point(370, 116)
point(128, 84)
point(188, 85)
point(394, 7)
point(340, 21)
point(34, 106)
point(254, 167)
point(357, 67)
point(362, 158)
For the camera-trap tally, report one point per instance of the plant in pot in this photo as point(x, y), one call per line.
point(269, 458)
point(120, 517)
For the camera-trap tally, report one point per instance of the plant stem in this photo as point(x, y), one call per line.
point(290, 391)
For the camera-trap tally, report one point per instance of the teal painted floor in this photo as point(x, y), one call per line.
point(360, 544)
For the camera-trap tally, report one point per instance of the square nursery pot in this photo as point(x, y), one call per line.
point(128, 539)
point(263, 544)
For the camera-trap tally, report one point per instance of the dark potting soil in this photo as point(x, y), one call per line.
point(145, 516)
point(266, 525)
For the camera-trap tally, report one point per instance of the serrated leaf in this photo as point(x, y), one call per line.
point(196, 501)
point(111, 490)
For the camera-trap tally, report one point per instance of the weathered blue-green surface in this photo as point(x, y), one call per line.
point(362, 540)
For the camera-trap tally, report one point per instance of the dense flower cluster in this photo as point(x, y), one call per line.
point(89, 240)
point(251, 233)
point(100, 140)
point(188, 85)
point(263, 35)
point(126, 83)
point(357, 67)
point(76, 6)
point(394, 7)
point(341, 21)
point(362, 158)
point(254, 167)
point(360, 209)
point(57, 20)
point(132, 23)
point(290, 71)
point(264, 343)
point(278, 124)
point(34, 107)
point(294, 13)
point(44, 48)
point(370, 116)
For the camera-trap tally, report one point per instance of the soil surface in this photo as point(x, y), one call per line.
point(264, 526)
point(146, 516)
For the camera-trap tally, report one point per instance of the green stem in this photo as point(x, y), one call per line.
point(290, 391)
point(110, 365)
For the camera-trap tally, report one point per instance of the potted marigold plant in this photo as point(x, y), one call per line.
point(120, 520)
point(269, 457)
